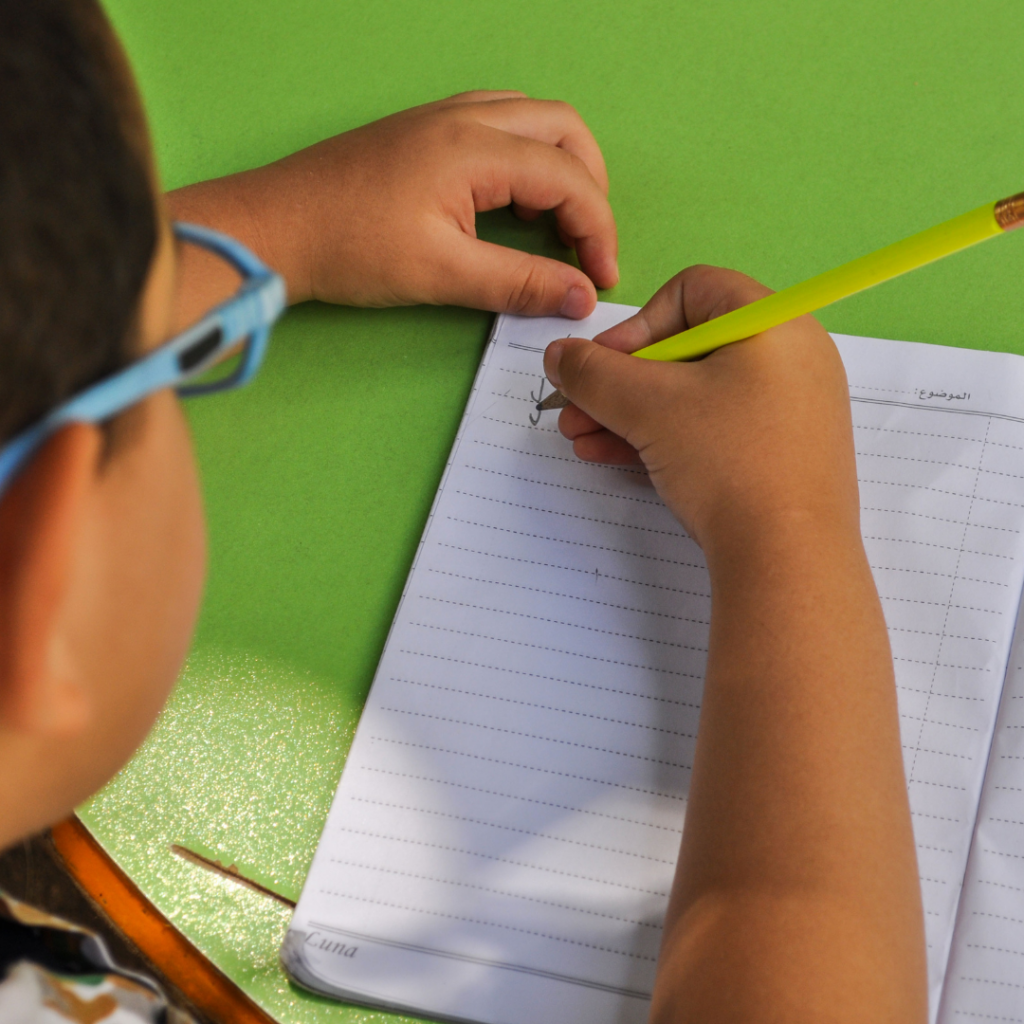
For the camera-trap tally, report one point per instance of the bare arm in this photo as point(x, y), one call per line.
point(796, 896)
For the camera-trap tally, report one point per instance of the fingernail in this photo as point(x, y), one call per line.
point(576, 303)
point(552, 358)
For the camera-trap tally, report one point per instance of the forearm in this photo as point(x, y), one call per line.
point(796, 896)
point(251, 208)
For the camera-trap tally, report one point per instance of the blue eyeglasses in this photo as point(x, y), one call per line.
point(240, 327)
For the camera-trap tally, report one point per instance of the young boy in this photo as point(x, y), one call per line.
point(796, 896)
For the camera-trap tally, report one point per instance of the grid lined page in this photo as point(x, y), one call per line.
point(504, 836)
point(985, 980)
point(940, 457)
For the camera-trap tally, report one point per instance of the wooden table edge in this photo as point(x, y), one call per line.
point(209, 990)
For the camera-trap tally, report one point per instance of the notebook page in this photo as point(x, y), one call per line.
point(985, 980)
point(503, 838)
point(940, 457)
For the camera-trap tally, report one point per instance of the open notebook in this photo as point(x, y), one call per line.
point(503, 838)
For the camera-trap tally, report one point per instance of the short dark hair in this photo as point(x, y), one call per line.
point(78, 222)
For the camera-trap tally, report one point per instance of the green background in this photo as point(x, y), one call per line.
point(780, 138)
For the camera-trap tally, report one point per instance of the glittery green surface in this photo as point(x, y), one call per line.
point(314, 513)
point(227, 774)
point(777, 137)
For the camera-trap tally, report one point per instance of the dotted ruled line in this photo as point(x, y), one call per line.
point(948, 636)
point(945, 575)
point(589, 572)
point(500, 860)
point(939, 490)
point(1000, 885)
point(514, 398)
point(940, 785)
point(491, 924)
point(570, 597)
point(558, 650)
point(1002, 853)
point(544, 707)
point(564, 487)
point(943, 547)
point(532, 736)
point(532, 768)
point(574, 543)
point(920, 433)
point(997, 916)
point(940, 604)
point(946, 725)
point(939, 693)
point(1005, 444)
point(491, 889)
point(886, 391)
point(553, 679)
point(558, 458)
point(524, 799)
point(911, 458)
point(943, 664)
point(999, 472)
point(561, 622)
point(938, 753)
point(523, 373)
point(520, 426)
point(989, 1016)
point(939, 519)
point(992, 981)
point(508, 828)
point(677, 534)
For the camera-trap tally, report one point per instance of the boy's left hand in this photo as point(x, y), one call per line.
point(384, 215)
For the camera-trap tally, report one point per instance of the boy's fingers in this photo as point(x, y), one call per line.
point(524, 214)
point(629, 335)
point(604, 446)
point(481, 96)
point(474, 96)
point(538, 176)
point(573, 421)
point(550, 121)
point(591, 441)
point(695, 295)
point(488, 276)
point(611, 387)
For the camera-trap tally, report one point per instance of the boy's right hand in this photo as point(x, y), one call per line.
point(797, 876)
point(757, 433)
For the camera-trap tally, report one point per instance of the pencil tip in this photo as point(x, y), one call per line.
point(556, 400)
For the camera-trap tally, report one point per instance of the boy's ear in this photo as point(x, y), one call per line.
point(42, 517)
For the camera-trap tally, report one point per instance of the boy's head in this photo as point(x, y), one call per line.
point(101, 538)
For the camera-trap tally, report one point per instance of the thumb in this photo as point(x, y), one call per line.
point(611, 387)
point(483, 275)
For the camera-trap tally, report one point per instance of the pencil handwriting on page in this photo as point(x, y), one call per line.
point(536, 399)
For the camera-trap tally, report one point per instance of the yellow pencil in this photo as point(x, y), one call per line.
point(857, 275)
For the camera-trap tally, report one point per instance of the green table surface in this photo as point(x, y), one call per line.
point(780, 138)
